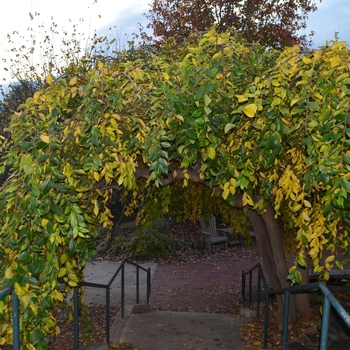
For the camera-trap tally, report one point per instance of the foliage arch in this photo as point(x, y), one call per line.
point(266, 132)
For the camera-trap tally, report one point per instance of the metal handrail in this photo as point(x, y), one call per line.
point(107, 286)
point(15, 314)
point(261, 278)
point(328, 301)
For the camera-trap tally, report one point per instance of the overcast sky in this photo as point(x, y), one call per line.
point(124, 15)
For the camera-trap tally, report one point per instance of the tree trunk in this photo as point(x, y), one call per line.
point(303, 300)
point(269, 239)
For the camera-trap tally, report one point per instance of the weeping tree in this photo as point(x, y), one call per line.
point(263, 134)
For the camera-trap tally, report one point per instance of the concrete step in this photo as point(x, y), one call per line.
point(161, 330)
point(95, 346)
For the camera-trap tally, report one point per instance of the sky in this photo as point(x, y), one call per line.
point(123, 17)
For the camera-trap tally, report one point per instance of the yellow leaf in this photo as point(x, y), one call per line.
point(242, 98)
point(250, 110)
point(72, 283)
point(246, 199)
point(100, 65)
point(62, 272)
point(307, 203)
point(295, 208)
point(225, 193)
point(34, 308)
point(335, 61)
point(326, 276)
point(25, 299)
point(57, 295)
point(211, 152)
point(57, 330)
point(63, 258)
point(49, 79)
point(222, 41)
point(306, 60)
point(36, 95)
point(8, 273)
point(44, 222)
point(73, 277)
point(96, 176)
point(114, 123)
point(19, 289)
point(73, 81)
point(117, 117)
point(330, 258)
point(45, 138)
point(305, 216)
point(329, 266)
point(180, 117)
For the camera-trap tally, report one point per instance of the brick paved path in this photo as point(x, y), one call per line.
point(211, 284)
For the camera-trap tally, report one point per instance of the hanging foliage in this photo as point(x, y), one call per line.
point(264, 131)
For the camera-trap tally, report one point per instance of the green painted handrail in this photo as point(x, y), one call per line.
point(15, 314)
point(328, 301)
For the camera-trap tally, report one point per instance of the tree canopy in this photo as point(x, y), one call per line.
point(264, 131)
point(271, 23)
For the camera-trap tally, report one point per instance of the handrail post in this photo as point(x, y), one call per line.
point(137, 285)
point(266, 326)
point(285, 320)
point(148, 284)
point(325, 323)
point(76, 317)
point(122, 292)
point(243, 288)
point(15, 315)
point(250, 287)
point(258, 296)
point(107, 315)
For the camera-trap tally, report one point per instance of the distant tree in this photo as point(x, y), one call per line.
point(273, 23)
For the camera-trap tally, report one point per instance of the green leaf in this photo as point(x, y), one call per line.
point(211, 73)
point(192, 134)
point(345, 184)
point(23, 256)
point(313, 106)
point(198, 121)
point(28, 169)
point(46, 185)
point(228, 127)
point(209, 86)
point(36, 336)
point(346, 158)
point(43, 157)
point(165, 144)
